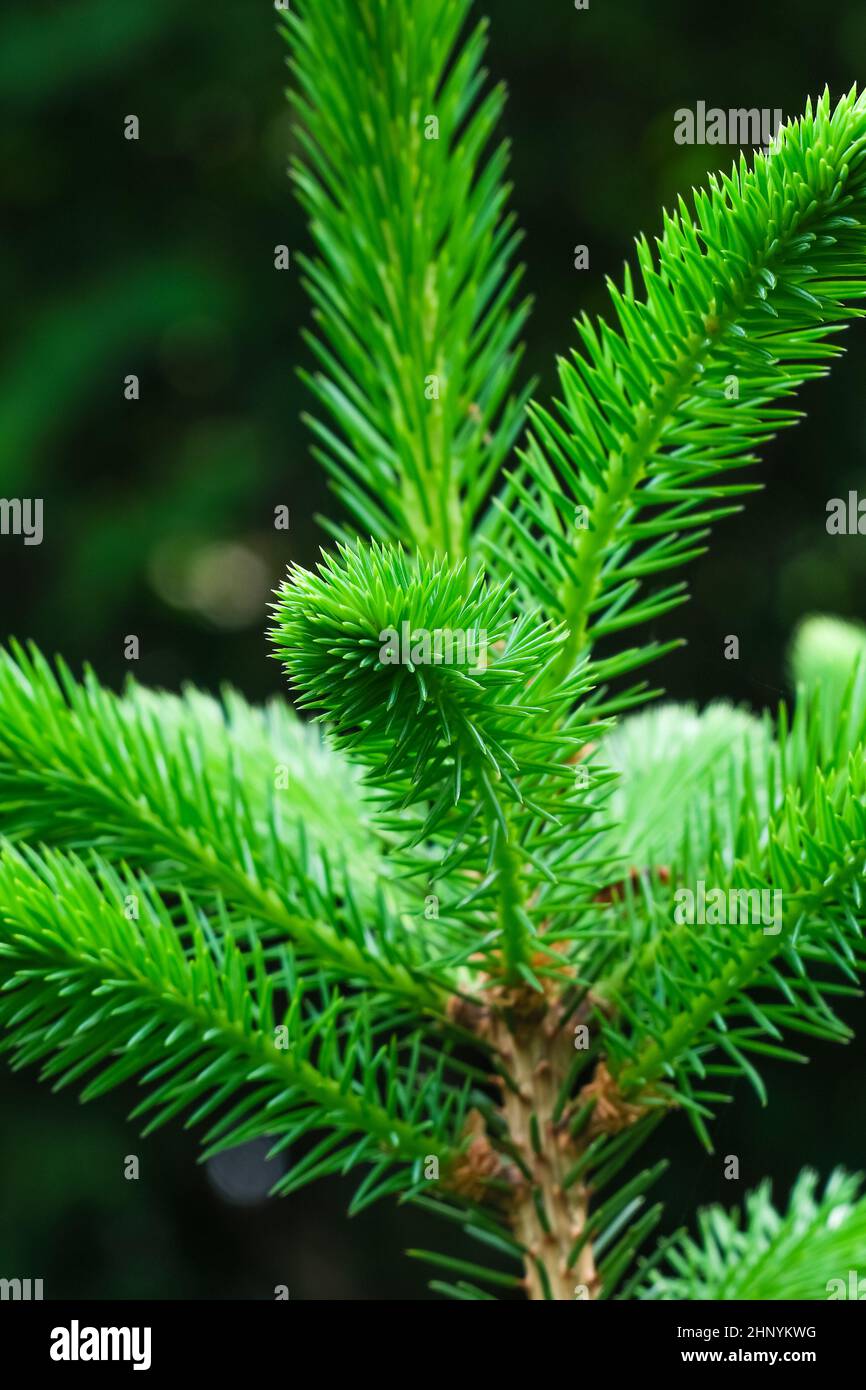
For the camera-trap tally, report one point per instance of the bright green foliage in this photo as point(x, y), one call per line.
point(188, 790)
point(826, 649)
point(462, 735)
point(768, 1255)
point(183, 878)
point(414, 285)
point(783, 826)
point(346, 635)
point(731, 313)
point(98, 974)
point(674, 768)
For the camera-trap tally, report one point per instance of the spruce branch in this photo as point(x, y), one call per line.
point(806, 1252)
point(425, 677)
point(682, 993)
point(731, 314)
point(414, 285)
point(89, 984)
point(192, 788)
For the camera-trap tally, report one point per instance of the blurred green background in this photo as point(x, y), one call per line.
point(155, 257)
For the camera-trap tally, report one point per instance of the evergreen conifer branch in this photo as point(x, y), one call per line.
point(620, 481)
point(425, 677)
point(414, 285)
point(684, 999)
point(87, 984)
point(806, 1252)
point(170, 788)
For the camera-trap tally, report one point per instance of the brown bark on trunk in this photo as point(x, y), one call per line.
point(546, 1217)
point(535, 1045)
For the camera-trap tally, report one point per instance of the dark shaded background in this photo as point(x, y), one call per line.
point(156, 258)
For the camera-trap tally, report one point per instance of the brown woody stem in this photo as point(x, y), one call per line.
point(532, 1038)
point(546, 1217)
